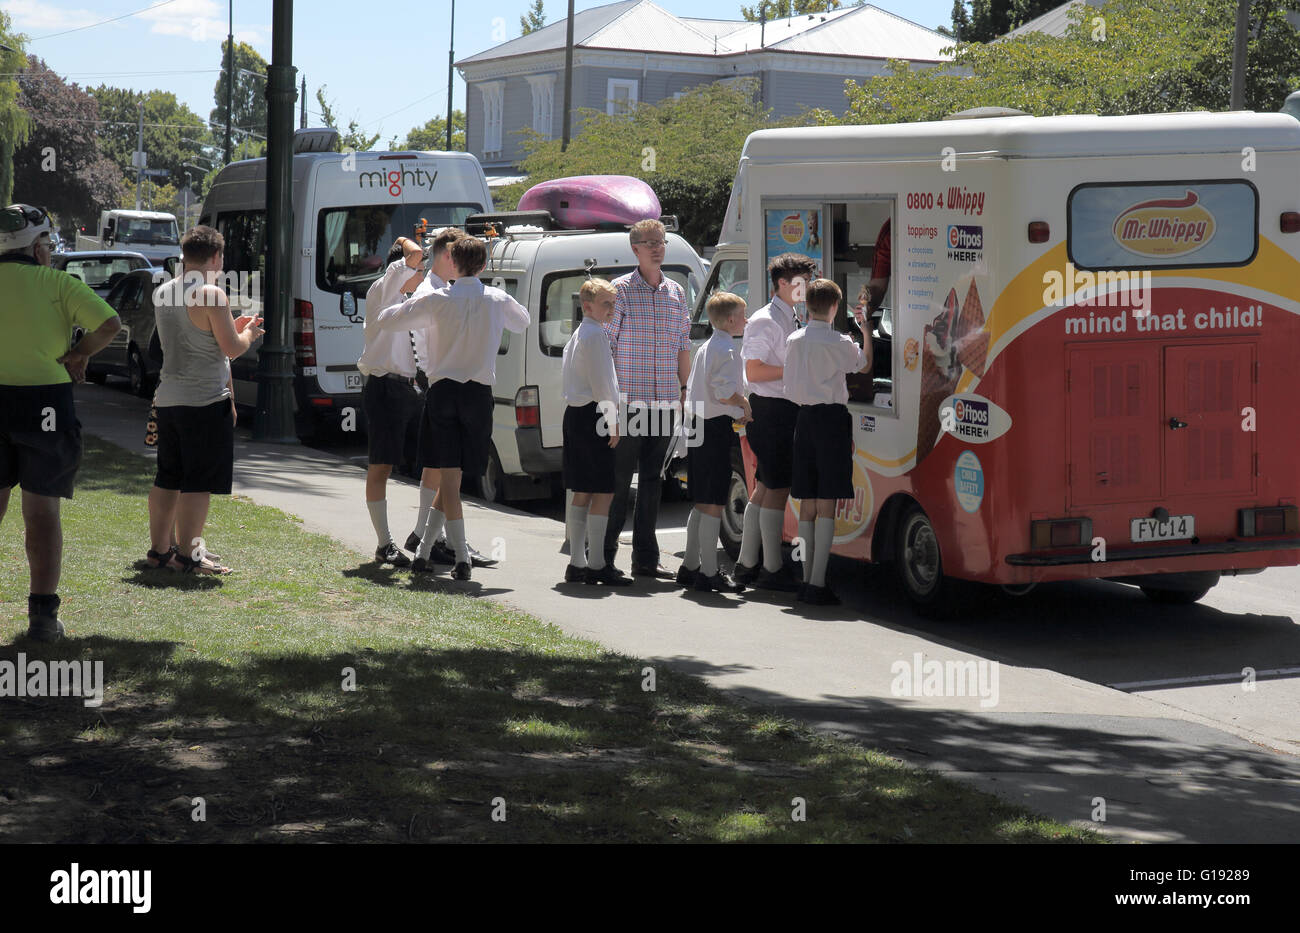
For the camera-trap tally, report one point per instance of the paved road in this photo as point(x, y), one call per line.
point(1100, 693)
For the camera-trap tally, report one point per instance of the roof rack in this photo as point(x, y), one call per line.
point(497, 223)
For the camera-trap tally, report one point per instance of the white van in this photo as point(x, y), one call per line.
point(347, 211)
point(543, 270)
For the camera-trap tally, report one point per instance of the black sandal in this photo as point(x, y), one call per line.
point(157, 561)
point(206, 567)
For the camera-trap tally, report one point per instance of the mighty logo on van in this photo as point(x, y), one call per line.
point(395, 179)
point(1165, 227)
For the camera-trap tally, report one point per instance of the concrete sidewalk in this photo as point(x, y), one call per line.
point(1051, 742)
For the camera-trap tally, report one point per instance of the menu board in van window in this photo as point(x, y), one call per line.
point(1180, 224)
point(795, 230)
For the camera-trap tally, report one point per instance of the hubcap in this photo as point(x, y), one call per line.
point(921, 555)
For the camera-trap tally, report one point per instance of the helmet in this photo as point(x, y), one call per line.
point(21, 225)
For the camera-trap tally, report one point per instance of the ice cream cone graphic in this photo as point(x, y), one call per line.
point(940, 371)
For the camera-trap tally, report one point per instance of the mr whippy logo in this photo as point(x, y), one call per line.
point(792, 228)
point(1165, 227)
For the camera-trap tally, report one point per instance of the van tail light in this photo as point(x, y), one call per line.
point(1274, 520)
point(1060, 532)
point(528, 410)
point(1289, 221)
point(304, 333)
point(1039, 231)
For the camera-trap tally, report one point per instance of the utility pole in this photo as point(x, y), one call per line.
point(139, 156)
point(230, 77)
point(274, 420)
point(568, 79)
point(302, 119)
point(451, 57)
point(1238, 99)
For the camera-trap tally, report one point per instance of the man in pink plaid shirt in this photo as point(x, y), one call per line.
point(650, 336)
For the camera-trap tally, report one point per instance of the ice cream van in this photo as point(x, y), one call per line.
point(1087, 352)
point(348, 209)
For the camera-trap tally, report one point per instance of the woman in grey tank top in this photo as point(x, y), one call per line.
point(195, 371)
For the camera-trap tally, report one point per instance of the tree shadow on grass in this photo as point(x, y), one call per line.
point(429, 743)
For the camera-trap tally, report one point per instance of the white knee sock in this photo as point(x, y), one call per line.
point(575, 524)
point(426, 504)
point(456, 538)
point(710, 527)
point(379, 518)
point(432, 529)
point(691, 556)
point(806, 533)
point(750, 538)
point(596, 527)
point(824, 534)
point(769, 525)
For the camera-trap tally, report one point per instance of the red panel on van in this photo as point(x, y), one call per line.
point(1114, 404)
point(1206, 388)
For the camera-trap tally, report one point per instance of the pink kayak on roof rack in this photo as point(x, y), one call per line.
point(584, 201)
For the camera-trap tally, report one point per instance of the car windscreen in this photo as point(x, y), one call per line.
point(561, 310)
point(96, 271)
point(352, 242)
point(149, 232)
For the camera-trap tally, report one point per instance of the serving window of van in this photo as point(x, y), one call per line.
point(352, 242)
point(850, 240)
point(561, 309)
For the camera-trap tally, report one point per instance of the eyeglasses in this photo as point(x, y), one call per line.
point(17, 217)
point(653, 244)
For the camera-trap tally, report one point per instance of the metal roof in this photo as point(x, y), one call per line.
point(1053, 22)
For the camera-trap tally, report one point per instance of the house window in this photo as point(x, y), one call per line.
point(620, 95)
point(543, 102)
point(493, 98)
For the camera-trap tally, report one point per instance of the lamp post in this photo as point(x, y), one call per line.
point(274, 420)
point(451, 55)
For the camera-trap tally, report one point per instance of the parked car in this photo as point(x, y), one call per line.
point(101, 270)
point(127, 354)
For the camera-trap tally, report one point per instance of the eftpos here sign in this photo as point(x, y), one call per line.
point(973, 418)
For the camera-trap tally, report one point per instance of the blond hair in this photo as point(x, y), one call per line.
point(594, 288)
point(721, 305)
point(639, 230)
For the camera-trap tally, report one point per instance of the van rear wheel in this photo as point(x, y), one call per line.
point(492, 484)
point(733, 513)
point(919, 564)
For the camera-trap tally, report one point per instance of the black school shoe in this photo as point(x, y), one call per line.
point(460, 572)
point(745, 575)
point(574, 574)
point(783, 581)
point(818, 596)
point(718, 583)
point(412, 542)
point(656, 571)
point(607, 576)
point(686, 577)
point(423, 565)
point(480, 560)
point(43, 618)
point(389, 554)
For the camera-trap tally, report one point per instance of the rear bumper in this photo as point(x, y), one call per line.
point(1114, 555)
point(534, 459)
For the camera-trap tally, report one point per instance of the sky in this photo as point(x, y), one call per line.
point(384, 66)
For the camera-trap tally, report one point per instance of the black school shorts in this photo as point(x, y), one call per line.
point(823, 453)
point(43, 462)
point(708, 466)
point(457, 428)
point(196, 448)
point(771, 438)
point(588, 459)
point(391, 405)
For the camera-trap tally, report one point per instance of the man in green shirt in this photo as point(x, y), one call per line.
point(40, 437)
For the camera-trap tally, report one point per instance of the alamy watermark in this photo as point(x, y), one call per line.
point(934, 678)
point(36, 678)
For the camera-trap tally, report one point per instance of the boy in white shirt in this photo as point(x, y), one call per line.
point(467, 318)
point(590, 436)
point(389, 395)
point(714, 400)
point(816, 362)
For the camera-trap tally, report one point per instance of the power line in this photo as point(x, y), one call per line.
point(102, 22)
point(105, 74)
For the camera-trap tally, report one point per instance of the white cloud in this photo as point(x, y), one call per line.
point(35, 18)
point(198, 20)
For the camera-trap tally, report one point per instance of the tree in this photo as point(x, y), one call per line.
point(686, 149)
point(167, 125)
point(534, 20)
point(989, 19)
point(61, 166)
point(960, 22)
point(249, 92)
point(433, 135)
point(353, 139)
point(780, 9)
point(1157, 56)
point(14, 123)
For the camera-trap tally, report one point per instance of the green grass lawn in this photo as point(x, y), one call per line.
point(232, 691)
